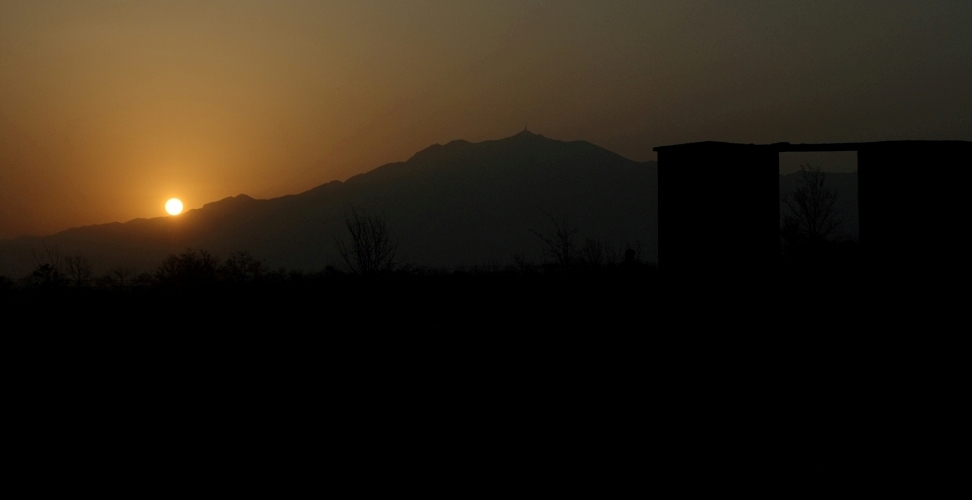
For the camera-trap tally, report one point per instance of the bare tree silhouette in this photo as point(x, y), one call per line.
point(78, 270)
point(118, 278)
point(371, 250)
point(122, 275)
point(592, 253)
point(811, 216)
point(242, 267)
point(560, 246)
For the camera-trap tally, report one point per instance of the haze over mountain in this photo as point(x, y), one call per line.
point(460, 203)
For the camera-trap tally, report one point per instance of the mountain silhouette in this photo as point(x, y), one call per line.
point(455, 204)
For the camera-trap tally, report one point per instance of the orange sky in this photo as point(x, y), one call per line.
point(110, 108)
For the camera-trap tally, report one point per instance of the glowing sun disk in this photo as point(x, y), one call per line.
point(173, 206)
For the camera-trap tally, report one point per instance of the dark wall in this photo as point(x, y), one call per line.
point(718, 209)
point(912, 206)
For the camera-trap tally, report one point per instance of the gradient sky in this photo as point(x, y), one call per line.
point(109, 108)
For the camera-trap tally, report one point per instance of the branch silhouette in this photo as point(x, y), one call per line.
point(371, 249)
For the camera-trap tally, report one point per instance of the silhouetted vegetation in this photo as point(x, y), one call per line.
point(369, 254)
point(192, 268)
point(78, 270)
point(46, 276)
point(48, 269)
point(811, 218)
point(371, 250)
point(560, 244)
point(242, 267)
point(810, 233)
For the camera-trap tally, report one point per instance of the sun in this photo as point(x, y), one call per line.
point(173, 206)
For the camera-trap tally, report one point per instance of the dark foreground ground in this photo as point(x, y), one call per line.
point(462, 384)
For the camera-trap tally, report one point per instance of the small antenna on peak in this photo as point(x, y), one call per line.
point(526, 127)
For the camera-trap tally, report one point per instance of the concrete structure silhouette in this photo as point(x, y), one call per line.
point(719, 205)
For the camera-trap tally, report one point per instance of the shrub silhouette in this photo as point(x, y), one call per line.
point(46, 276)
point(47, 271)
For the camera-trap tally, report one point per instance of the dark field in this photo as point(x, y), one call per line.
point(476, 382)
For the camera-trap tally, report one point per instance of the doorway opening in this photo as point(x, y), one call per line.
point(839, 172)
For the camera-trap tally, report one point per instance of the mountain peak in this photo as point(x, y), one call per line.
point(526, 133)
point(240, 198)
point(229, 203)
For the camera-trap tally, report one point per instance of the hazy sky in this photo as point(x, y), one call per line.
point(109, 108)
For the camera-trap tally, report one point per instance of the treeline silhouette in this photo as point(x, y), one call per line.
point(197, 270)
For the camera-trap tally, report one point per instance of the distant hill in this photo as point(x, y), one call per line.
point(460, 203)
